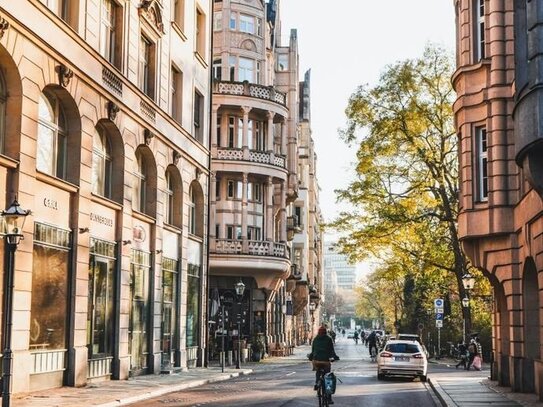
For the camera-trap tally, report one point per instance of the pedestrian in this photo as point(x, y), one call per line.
point(343, 332)
point(463, 354)
point(478, 359)
point(333, 335)
point(472, 349)
point(355, 337)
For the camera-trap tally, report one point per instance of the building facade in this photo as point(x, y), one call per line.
point(338, 264)
point(103, 123)
point(500, 149)
point(254, 147)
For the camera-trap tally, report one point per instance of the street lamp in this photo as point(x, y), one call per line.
point(468, 281)
point(11, 228)
point(312, 308)
point(240, 289)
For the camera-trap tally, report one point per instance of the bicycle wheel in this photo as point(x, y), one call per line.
point(324, 396)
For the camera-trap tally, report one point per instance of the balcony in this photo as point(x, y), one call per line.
point(250, 89)
point(253, 248)
point(255, 156)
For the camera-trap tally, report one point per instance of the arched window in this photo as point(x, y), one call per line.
point(52, 136)
point(173, 200)
point(140, 187)
point(101, 164)
point(192, 211)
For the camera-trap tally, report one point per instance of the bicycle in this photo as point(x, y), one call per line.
point(373, 353)
point(325, 398)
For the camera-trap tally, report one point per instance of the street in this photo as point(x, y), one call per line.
point(290, 383)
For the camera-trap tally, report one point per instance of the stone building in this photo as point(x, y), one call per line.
point(500, 134)
point(254, 147)
point(104, 109)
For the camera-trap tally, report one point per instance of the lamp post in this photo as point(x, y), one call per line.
point(312, 308)
point(468, 281)
point(240, 289)
point(13, 219)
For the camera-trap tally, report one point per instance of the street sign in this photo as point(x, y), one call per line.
point(439, 323)
point(440, 310)
point(438, 303)
point(439, 317)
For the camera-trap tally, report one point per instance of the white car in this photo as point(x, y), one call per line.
point(402, 358)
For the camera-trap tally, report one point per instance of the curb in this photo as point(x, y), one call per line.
point(169, 389)
point(444, 398)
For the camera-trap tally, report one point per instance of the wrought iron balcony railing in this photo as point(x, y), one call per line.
point(251, 248)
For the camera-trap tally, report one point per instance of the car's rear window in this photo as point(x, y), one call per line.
point(402, 348)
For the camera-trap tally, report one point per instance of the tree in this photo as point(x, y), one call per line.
point(404, 197)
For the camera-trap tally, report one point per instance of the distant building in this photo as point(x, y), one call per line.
point(345, 275)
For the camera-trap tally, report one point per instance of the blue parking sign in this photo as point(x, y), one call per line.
point(439, 317)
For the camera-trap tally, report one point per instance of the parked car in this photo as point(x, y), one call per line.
point(350, 333)
point(402, 358)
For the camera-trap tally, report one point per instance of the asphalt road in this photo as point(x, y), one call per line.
point(290, 383)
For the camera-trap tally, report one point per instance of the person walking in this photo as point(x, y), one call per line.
point(472, 349)
point(463, 354)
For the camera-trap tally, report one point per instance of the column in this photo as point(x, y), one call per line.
point(214, 140)
point(269, 139)
point(283, 138)
point(283, 233)
point(244, 213)
point(245, 133)
point(212, 211)
point(269, 209)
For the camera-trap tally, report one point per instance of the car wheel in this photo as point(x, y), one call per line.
point(380, 376)
point(423, 378)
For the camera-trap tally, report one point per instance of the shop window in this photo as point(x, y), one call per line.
point(173, 199)
point(138, 330)
point(147, 66)
point(169, 304)
point(50, 275)
point(177, 94)
point(100, 315)
point(110, 40)
point(194, 267)
point(101, 164)
point(52, 136)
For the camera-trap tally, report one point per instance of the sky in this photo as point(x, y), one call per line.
point(347, 43)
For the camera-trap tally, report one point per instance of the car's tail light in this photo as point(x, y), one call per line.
point(418, 356)
point(385, 354)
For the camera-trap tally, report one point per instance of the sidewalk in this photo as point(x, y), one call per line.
point(122, 392)
point(460, 388)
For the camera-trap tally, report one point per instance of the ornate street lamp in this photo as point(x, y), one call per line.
point(240, 289)
point(11, 229)
point(468, 281)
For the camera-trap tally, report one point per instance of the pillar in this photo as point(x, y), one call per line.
point(269, 209)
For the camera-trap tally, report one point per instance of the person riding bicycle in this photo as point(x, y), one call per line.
point(355, 337)
point(372, 342)
point(322, 350)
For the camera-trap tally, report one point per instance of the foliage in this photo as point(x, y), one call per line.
point(404, 196)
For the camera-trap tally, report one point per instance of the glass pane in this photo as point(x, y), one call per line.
point(45, 152)
point(49, 298)
point(193, 314)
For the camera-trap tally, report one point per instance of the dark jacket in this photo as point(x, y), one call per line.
point(322, 348)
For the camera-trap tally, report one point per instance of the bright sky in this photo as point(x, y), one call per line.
point(347, 43)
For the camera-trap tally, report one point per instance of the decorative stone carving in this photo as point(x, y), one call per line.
point(176, 157)
point(65, 74)
point(198, 172)
point(248, 45)
point(4, 25)
point(112, 110)
point(148, 136)
point(150, 10)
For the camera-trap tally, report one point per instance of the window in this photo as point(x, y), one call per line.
point(147, 67)
point(235, 189)
point(179, 13)
point(298, 214)
point(101, 164)
point(140, 189)
point(247, 23)
point(177, 94)
point(282, 62)
point(482, 165)
point(193, 318)
point(169, 302)
point(217, 69)
point(192, 211)
point(50, 293)
point(100, 316)
point(253, 233)
point(217, 21)
point(232, 21)
point(168, 199)
point(232, 67)
point(218, 189)
point(258, 134)
point(233, 232)
point(254, 192)
point(200, 33)
point(110, 32)
point(246, 70)
point(52, 135)
point(140, 272)
point(479, 29)
point(219, 141)
point(65, 9)
point(198, 116)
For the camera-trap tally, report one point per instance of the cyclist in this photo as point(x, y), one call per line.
point(322, 351)
point(355, 337)
point(372, 343)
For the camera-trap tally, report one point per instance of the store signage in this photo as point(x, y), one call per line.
point(50, 203)
point(101, 219)
point(138, 233)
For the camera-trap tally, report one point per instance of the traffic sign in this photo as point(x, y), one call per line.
point(438, 303)
point(439, 317)
point(440, 310)
point(439, 323)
